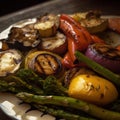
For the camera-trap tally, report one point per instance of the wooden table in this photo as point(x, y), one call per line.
point(60, 6)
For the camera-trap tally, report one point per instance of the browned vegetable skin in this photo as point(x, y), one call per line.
point(93, 89)
point(92, 21)
point(105, 55)
point(44, 63)
point(3, 45)
point(10, 61)
point(47, 25)
point(24, 38)
point(114, 24)
point(56, 44)
point(73, 72)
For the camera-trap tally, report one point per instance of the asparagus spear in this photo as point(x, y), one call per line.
point(115, 78)
point(52, 86)
point(11, 87)
point(61, 113)
point(30, 77)
point(91, 109)
point(19, 83)
point(115, 106)
point(48, 84)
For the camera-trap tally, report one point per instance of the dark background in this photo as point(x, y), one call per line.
point(9, 6)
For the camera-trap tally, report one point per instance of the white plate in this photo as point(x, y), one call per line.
point(10, 104)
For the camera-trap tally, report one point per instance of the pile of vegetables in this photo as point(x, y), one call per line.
point(61, 66)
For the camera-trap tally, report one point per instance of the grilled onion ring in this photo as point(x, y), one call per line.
point(105, 55)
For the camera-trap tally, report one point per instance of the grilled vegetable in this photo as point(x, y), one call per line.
point(44, 63)
point(52, 86)
point(46, 85)
point(110, 37)
point(62, 113)
point(93, 89)
point(75, 31)
point(114, 78)
point(47, 25)
point(73, 72)
point(3, 45)
point(24, 38)
point(10, 61)
point(77, 36)
point(105, 55)
point(92, 21)
point(93, 110)
point(56, 44)
point(15, 84)
point(114, 24)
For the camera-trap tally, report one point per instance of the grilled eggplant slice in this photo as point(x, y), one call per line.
point(47, 25)
point(24, 38)
point(56, 44)
point(44, 63)
point(10, 61)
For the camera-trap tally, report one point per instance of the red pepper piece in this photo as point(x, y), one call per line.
point(81, 37)
point(97, 39)
point(72, 48)
point(67, 61)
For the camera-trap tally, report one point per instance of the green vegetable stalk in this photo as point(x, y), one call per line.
point(30, 77)
point(91, 109)
point(61, 113)
point(5, 87)
point(15, 84)
point(115, 78)
point(52, 86)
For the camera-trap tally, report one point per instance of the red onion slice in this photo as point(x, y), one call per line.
point(105, 55)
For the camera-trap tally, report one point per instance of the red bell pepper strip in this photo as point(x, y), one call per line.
point(78, 39)
point(71, 48)
point(77, 24)
point(97, 39)
point(72, 29)
point(69, 63)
